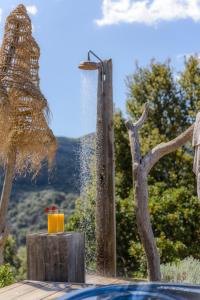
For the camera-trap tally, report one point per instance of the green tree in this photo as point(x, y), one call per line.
point(190, 86)
point(123, 168)
point(168, 117)
point(173, 205)
point(175, 217)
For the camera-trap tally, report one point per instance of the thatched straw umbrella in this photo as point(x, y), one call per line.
point(26, 139)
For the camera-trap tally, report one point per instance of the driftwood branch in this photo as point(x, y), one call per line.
point(141, 167)
point(165, 148)
point(130, 125)
point(133, 134)
point(141, 199)
point(143, 117)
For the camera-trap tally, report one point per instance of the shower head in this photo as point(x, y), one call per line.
point(91, 65)
point(88, 65)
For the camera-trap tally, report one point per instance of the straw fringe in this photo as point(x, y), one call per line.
point(23, 108)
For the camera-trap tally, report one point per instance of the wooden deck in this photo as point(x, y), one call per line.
point(36, 290)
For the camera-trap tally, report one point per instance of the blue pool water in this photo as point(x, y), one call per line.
point(141, 291)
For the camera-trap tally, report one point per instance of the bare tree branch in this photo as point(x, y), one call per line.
point(130, 125)
point(141, 199)
point(143, 117)
point(165, 148)
point(133, 135)
point(141, 167)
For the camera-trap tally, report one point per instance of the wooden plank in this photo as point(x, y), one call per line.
point(35, 259)
point(18, 292)
point(63, 292)
point(38, 294)
point(10, 287)
point(34, 290)
point(38, 290)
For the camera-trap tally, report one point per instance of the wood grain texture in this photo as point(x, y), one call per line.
point(105, 200)
point(37, 290)
point(56, 257)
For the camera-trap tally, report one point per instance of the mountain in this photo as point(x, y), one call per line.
point(61, 186)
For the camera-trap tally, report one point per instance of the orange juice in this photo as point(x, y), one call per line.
point(60, 222)
point(52, 223)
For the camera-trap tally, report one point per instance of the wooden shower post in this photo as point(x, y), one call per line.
point(105, 201)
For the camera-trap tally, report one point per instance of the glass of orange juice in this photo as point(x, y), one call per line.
point(52, 219)
point(60, 221)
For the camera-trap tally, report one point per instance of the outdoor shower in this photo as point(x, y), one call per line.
point(105, 200)
point(91, 65)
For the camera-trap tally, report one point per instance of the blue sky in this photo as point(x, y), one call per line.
point(124, 30)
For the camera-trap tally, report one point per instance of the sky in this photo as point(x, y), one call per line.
point(124, 30)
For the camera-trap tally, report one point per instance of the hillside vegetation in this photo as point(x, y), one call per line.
point(61, 186)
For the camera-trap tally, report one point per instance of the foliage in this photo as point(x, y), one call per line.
point(129, 248)
point(15, 258)
point(123, 168)
point(83, 220)
point(190, 85)
point(21, 272)
point(28, 213)
point(10, 253)
point(173, 205)
point(175, 215)
point(29, 197)
point(7, 276)
point(174, 208)
point(173, 105)
point(185, 271)
point(170, 114)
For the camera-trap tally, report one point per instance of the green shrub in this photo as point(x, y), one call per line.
point(10, 253)
point(185, 271)
point(21, 271)
point(83, 220)
point(7, 276)
point(15, 258)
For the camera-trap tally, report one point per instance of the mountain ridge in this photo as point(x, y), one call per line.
point(61, 186)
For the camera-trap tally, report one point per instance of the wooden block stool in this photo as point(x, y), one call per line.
point(56, 257)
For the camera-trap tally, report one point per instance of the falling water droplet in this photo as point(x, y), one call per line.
point(87, 154)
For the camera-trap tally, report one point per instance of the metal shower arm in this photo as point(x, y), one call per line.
point(91, 52)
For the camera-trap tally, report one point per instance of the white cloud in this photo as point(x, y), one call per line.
point(148, 12)
point(32, 9)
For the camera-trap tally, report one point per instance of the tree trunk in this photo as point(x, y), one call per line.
point(5, 197)
point(141, 202)
point(144, 223)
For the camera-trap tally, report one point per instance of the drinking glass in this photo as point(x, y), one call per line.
point(53, 221)
point(60, 221)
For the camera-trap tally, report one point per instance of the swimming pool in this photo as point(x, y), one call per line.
point(141, 291)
